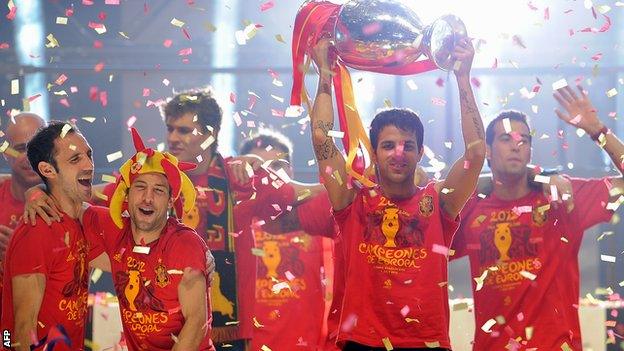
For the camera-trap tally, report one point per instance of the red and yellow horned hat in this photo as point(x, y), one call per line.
point(148, 160)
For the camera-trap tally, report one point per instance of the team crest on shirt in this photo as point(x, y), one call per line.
point(425, 206)
point(539, 217)
point(162, 277)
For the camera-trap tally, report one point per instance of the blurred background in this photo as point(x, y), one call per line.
point(108, 63)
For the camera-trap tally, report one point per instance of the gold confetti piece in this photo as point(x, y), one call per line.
point(175, 271)
point(460, 306)
point(447, 190)
point(65, 130)
point(488, 325)
point(41, 325)
point(561, 83)
point(15, 88)
point(176, 22)
point(4, 146)
point(612, 92)
point(387, 344)
point(529, 332)
point(565, 347)
point(265, 348)
point(433, 344)
point(256, 323)
point(591, 299)
point(209, 27)
point(257, 252)
point(72, 147)
point(92, 345)
point(95, 276)
point(89, 119)
point(61, 20)
point(175, 338)
point(500, 320)
point(114, 156)
point(52, 42)
point(337, 176)
point(410, 320)
point(280, 38)
point(387, 103)
point(305, 193)
point(100, 196)
point(544, 208)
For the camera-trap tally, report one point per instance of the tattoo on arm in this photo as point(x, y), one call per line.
point(468, 105)
point(326, 149)
point(325, 85)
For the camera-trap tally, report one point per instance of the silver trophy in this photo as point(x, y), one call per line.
point(376, 35)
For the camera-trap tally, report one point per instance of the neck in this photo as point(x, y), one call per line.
point(203, 166)
point(398, 191)
point(18, 189)
point(510, 187)
point(145, 237)
point(69, 206)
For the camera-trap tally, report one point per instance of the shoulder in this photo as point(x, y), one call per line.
point(182, 237)
point(40, 232)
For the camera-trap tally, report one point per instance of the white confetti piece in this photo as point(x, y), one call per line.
point(61, 20)
point(488, 325)
point(507, 125)
point(293, 111)
point(65, 130)
point(176, 22)
point(541, 179)
point(15, 87)
point(528, 275)
point(607, 258)
point(279, 287)
point(561, 83)
point(141, 249)
point(612, 92)
point(412, 85)
point(209, 140)
point(114, 156)
point(335, 134)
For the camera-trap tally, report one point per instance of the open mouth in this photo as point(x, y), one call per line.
point(85, 182)
point(146, 211)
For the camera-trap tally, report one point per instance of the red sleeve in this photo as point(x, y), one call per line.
point(29, 249)
point(188, 250)
point(94, 220)
point(591, 197)
point(315, 216)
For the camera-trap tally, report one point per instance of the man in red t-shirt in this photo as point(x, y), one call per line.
point(396, 235)
point(289, 295)
point(158, 264)
point(18, 132)
point(46, 268)
point(224, 210)
point(523, 253)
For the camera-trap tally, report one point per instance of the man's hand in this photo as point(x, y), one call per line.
point(241, 167)
point(579, 111)
point(563, 192)
point(463, 54)
point(38, 203)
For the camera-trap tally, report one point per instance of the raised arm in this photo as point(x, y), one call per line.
point(462, 178)
point(192, 295)
point(28, 290)
point(330, 161)
point(581, 113)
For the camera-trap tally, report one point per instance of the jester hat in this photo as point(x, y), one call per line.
point(148, 160)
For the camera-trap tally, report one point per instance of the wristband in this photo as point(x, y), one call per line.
point(604, 130)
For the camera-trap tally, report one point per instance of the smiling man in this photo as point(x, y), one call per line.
point(46, 270)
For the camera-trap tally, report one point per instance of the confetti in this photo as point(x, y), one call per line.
point(440, 249)
point(412, 85)
point(562, 83)
point(114, 156)
point(267, 5)
point(176, 22)
point(433, 344)
point(528, 275)
point(66, 128)
point(481, 279)
point(95, 276)
point(335, 134)
point(52, 42)
point(612, 92)
point(488, 325)
point(15, 87)
point(541, 179)
point(280, 38)
point(141, 249)
point(61, 20)
point(607, 258)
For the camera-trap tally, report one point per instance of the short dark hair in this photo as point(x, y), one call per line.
point(41, 147)
point(402, 118)
point(264, 138)
point(512, 115)
point(200, 102)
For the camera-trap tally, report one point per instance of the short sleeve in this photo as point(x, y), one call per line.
point(315, 216)
point(29, 250)
point(591, 197)
point(188, 250)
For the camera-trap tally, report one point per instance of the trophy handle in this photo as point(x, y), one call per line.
point(440, 38)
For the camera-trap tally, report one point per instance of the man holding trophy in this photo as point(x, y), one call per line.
point(396, 234)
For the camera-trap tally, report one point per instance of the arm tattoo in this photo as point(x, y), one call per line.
point(468, 105)
point(325, 85)
point(326, 149)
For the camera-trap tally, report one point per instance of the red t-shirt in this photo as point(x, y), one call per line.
point(261, 198)
point(396, 274)
point(10, 214)
point(289, 293)
point(315, 218)
point(62, 253)
point(147, 283)
point(533, 275)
